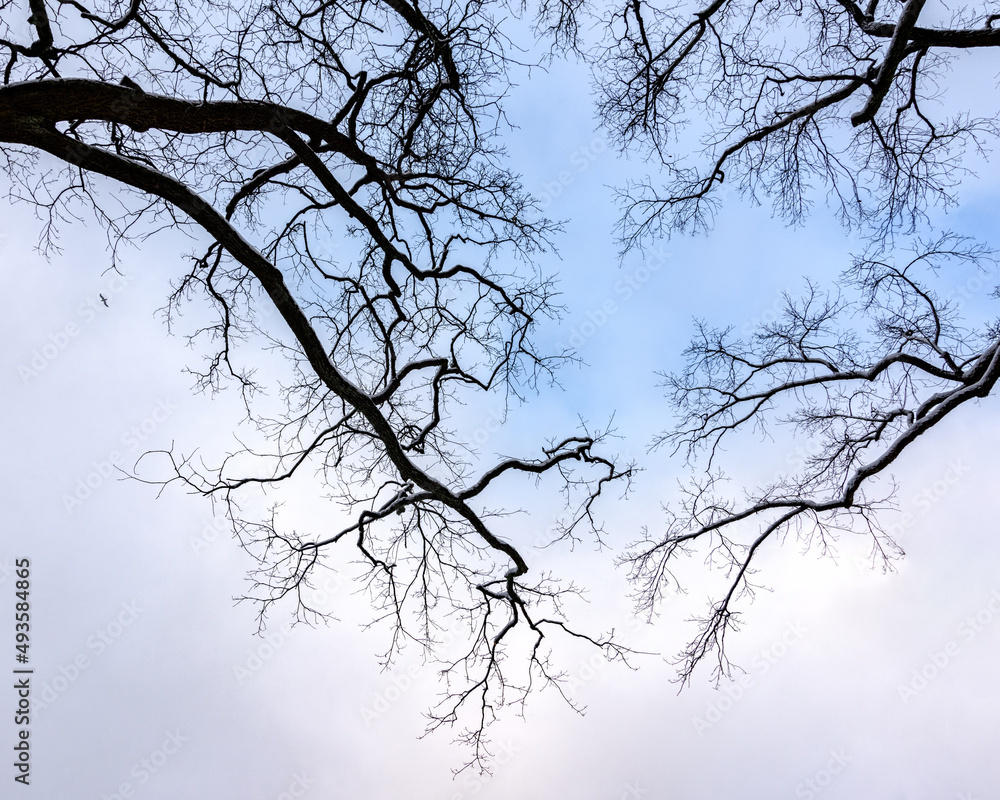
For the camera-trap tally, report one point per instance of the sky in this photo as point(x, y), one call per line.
point(151, 683)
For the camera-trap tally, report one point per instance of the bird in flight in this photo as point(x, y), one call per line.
point(103, 300)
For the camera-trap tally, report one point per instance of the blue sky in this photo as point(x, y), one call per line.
point(856, 684)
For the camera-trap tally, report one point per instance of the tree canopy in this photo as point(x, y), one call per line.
point(798, 97)
point(271, 128)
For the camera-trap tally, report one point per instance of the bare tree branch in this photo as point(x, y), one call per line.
point(338, 166)
point(772, 87)
point(861, 399)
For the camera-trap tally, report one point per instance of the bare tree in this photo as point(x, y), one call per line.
point(861, 374)
point(273, 130)
point(268, 131)
point(790, 98)
point(790, 102)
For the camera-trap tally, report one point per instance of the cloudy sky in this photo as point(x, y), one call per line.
point(152, 684)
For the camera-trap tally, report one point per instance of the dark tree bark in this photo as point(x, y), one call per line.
point(264, 130)
point(790, 99)
point(277, 125)
point(794, 101)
